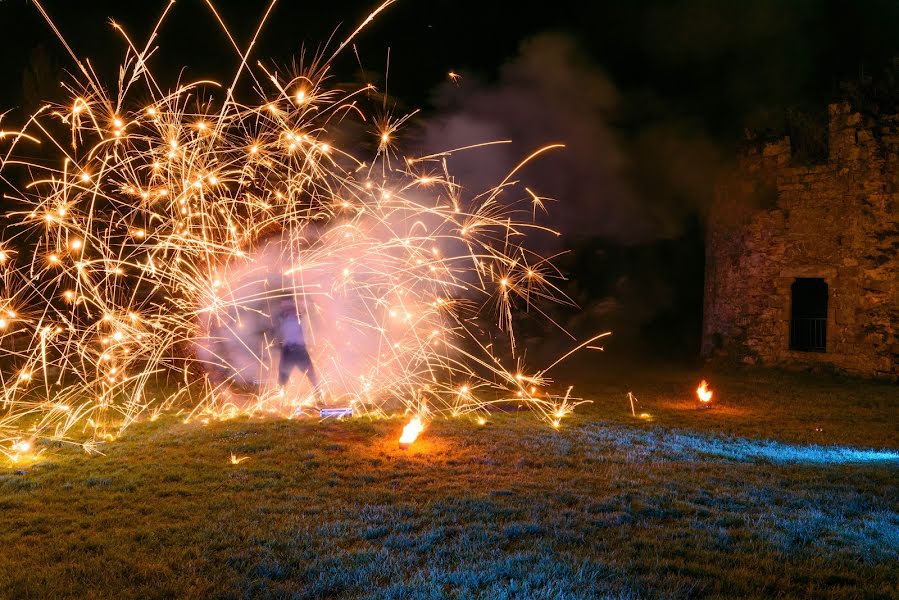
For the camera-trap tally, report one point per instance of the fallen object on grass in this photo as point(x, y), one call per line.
point(344, 411)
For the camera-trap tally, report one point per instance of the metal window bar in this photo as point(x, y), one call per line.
point(808, 334)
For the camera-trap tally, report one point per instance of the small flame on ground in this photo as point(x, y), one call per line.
point(21, 451)
point(411, 431)
point(22, 446)
point(703, 392)
point(236, 460)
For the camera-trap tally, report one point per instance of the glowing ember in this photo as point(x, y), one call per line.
point(22, 447)
point(236, 460)
point(704, 393)
point(411, 431)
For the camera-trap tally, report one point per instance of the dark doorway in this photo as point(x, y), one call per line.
point(808, 318)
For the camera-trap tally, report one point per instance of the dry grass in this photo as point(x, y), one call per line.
point(689, 504)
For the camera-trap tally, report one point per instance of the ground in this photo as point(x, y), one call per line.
point(787, 487)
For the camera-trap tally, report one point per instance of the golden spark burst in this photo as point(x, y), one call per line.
point(147, 232)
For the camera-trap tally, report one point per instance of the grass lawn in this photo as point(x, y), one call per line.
point(733, 501)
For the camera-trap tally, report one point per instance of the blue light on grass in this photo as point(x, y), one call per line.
point(744, 449)
point(673, 444)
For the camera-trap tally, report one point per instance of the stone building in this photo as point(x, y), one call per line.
point(802, 261)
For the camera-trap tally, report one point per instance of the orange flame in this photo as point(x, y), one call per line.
point(411, 431)
point(703, 392)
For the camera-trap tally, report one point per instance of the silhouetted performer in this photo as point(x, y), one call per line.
point(294, 354)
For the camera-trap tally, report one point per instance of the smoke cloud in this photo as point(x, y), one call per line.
point(623, 182)
point(630, 187)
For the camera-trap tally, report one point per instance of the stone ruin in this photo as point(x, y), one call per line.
point(802, 262)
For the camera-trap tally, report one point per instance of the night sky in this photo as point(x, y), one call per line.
point(653, 98)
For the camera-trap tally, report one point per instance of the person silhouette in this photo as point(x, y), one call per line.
point(294, 354)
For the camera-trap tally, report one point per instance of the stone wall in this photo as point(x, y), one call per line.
point(838, 221)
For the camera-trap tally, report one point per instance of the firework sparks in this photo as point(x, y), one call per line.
point(632, 399)
point(236, 460)
point(153, 242)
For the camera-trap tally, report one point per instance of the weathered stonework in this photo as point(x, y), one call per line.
point(838, 221)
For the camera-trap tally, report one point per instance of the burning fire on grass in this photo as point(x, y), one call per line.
point(704, 394)
point(411, 432)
